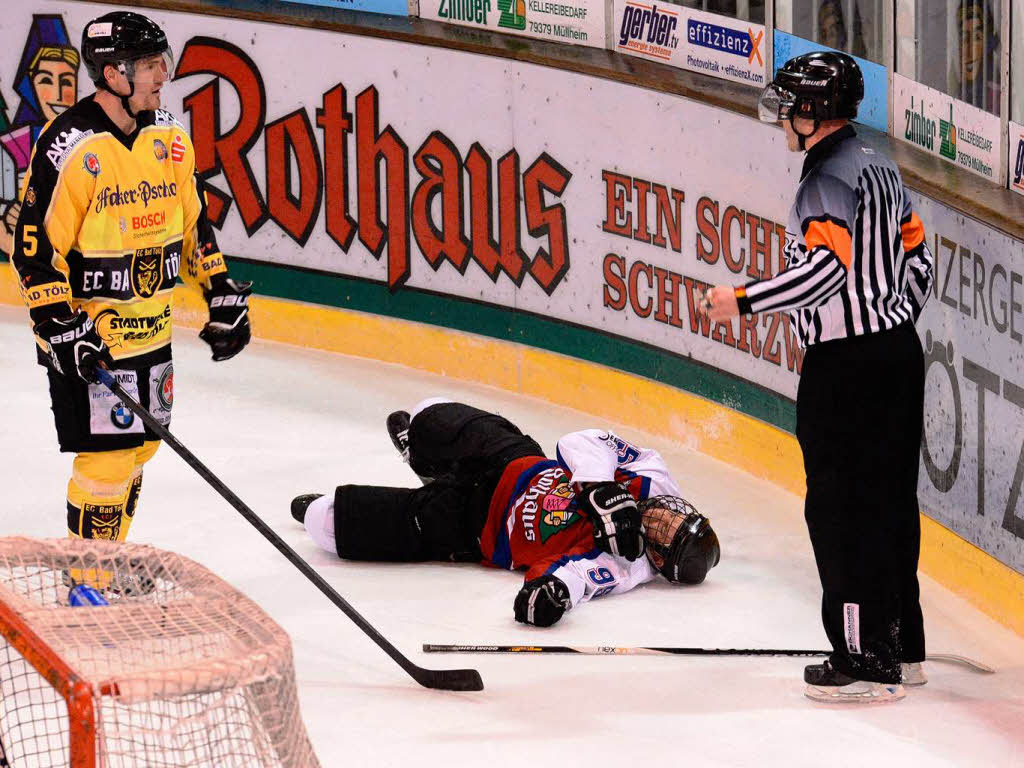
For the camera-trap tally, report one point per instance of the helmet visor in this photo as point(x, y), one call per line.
point(149, 70)
point(775, 104)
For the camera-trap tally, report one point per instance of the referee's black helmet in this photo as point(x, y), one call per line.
point(823, 85)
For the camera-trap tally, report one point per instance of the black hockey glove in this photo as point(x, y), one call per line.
point(227, 333)
point(74, 345)
point(542, 601)
point(616, 520)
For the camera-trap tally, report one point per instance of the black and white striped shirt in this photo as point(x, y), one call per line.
point(856, 257)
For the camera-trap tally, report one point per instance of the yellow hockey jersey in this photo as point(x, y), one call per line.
point(106, 221)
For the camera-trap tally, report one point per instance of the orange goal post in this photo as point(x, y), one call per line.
point(180, 670)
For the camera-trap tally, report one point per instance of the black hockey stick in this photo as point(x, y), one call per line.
point(442, 679)
point(608, 650)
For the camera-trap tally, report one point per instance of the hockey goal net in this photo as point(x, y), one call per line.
point(180, 670)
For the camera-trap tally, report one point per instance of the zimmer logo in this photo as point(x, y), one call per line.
point(919, 129)
point(649, 29)
point(513, 14)
point(465, 10)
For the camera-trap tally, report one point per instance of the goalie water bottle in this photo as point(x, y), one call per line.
point(83, 594)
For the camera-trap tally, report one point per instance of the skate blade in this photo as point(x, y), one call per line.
point(859, 692)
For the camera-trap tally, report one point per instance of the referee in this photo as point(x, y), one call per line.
point(857, 274)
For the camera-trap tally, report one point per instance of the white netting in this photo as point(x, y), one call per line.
point(185, 671)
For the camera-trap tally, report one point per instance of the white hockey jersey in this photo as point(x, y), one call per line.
point(533, 522)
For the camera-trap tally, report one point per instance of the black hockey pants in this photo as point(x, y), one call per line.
point(465, 450)
point(859, 421)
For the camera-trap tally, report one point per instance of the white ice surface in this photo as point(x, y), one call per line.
point(278, 421)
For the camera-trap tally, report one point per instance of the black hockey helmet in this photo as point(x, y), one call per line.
point(120, 39)
point(823, 85)
point(680, 541)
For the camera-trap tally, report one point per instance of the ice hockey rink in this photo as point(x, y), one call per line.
point(278, 421)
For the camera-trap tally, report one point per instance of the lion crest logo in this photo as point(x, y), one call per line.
point(146, 265)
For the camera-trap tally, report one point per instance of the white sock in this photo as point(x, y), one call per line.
point(319, 522)
point(422, 405)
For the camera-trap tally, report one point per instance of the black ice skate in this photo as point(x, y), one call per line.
point(830, 686)
point(398, 430)
point(301, 503)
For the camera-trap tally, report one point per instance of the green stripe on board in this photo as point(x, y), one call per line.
point(331, 290)
point(521, 327)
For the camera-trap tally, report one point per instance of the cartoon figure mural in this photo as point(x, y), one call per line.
point(47, 82)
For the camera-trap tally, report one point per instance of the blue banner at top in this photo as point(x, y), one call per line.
point(390, 7)
point(874, 108)
point(718, 38)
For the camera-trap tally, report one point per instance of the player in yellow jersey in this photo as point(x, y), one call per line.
point(111, 213)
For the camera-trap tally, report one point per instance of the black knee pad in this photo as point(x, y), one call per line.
point(376, 523)
point(439, 521)
point(458, 439)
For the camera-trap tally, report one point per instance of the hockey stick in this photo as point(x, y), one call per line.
point(442, 679)
point(606, 650)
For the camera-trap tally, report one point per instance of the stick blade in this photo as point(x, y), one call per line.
point(955, 658)
point(450, 679)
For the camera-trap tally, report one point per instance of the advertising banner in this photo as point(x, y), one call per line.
point(570, 212)
point(581, 22)
point(390, 7)
point(970, 137)
point(690, 39)
point(874, 108)
point(972, 329)
point(1015, 158)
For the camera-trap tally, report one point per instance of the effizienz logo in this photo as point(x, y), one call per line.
point(718, 38)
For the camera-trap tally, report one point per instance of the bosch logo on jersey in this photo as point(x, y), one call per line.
point(144, 193)
point(648, 24)
point(149, 220)
point(719, 38)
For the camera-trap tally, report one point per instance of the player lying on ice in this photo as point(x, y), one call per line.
point(604, 516)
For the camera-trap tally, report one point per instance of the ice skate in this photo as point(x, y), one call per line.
point(829, 686)
point(398, 430)
point(301, 503)
point(913, 674)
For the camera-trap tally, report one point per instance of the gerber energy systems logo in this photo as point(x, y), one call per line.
point(649, 30)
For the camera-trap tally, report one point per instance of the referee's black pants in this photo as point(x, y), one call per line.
point(859, 421)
